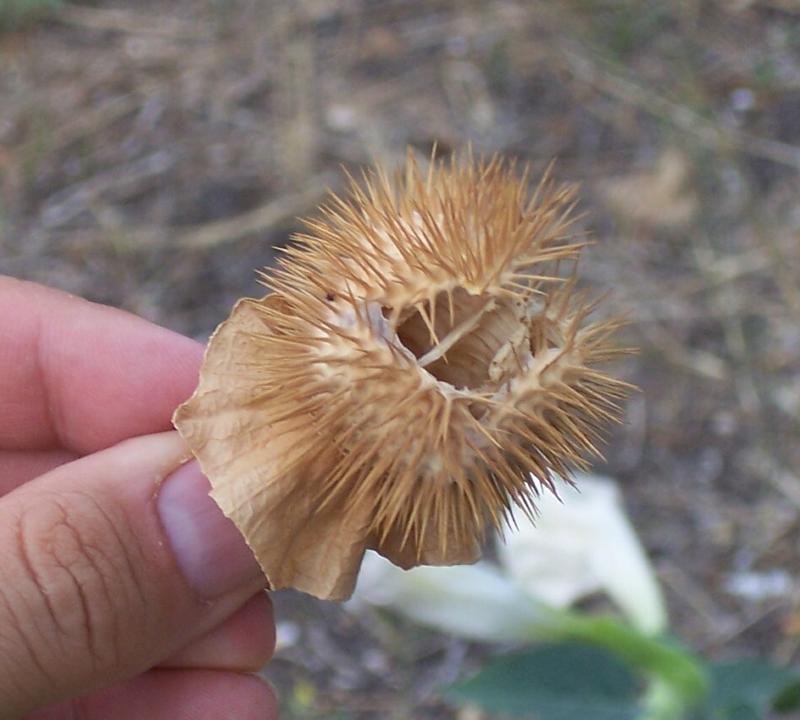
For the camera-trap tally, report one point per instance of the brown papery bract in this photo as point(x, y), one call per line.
point(421, 365)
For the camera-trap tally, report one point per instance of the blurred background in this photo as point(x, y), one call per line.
point(152, 155)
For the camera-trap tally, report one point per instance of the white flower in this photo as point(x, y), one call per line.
point(472, 601)
point(581, 544)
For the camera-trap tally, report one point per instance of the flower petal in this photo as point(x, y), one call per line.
point(581, 544)
point(470, 601)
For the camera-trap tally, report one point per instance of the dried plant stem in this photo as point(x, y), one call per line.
point(599, 74)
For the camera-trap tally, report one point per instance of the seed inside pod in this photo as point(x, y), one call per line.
point(422, 365)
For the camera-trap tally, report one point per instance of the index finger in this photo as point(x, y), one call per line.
point(82, 376)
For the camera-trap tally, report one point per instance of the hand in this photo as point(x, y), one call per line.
point(124, 591)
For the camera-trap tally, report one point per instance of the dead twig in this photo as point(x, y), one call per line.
point(597, 73)
point(195, 237)
point(698, 362)
point(267, 215)
point(89, 122)
point(733, 331)
point(126, 21)
point(691, 592)
point(65, 205)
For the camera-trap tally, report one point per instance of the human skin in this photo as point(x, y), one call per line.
point(124, 591)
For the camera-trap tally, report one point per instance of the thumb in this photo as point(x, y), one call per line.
point(108, 565)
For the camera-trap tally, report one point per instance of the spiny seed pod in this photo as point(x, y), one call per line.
point(419, 368)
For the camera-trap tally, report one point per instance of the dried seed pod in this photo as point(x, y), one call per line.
point(419, 368)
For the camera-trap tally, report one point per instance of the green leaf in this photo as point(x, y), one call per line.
point(748, 689)
point(564, 681)
point(659, 657)
point(788, 699)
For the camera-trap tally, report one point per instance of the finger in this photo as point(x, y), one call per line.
point(244, 642)
point(103, 574)
point(174, 695)
point(17, 468)
point(82, 376)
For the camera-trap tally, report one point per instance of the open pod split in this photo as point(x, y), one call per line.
point(421, 365)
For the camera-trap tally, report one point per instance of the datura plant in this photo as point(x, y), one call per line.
point(422, 365)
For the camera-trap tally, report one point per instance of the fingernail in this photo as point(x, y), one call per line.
point(209, 549)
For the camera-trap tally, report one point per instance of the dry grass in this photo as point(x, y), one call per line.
point(152, 154)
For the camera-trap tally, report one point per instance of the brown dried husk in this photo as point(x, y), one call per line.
point(418, 368)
